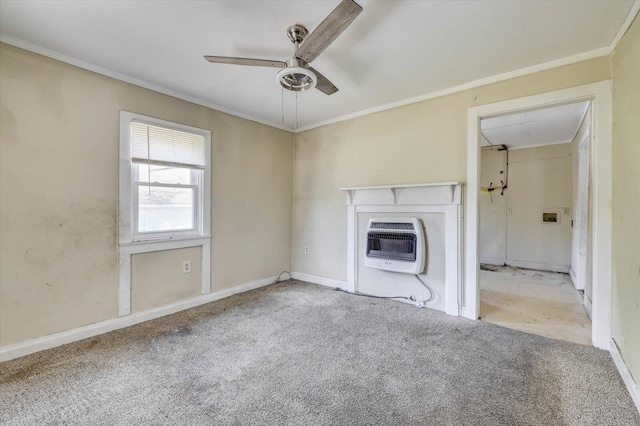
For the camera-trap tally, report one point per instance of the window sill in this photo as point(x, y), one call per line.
point(177, 240)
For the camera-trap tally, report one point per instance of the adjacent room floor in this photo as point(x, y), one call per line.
point(539, 302)
point(303, 354)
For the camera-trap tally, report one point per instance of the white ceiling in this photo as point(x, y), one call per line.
point(395, 50)
point(548, 126)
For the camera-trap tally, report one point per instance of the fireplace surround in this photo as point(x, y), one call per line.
point(439, 208)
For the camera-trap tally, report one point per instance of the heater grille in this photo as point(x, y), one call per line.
point(391, 225)
point(392, 246)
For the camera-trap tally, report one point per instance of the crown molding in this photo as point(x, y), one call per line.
point(128, 79)
point(597, 53)
point(604, 51)
point(635, 8)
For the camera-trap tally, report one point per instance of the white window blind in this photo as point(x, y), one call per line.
point(160, 144)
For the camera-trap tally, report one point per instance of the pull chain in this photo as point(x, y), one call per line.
point(282, 102)
point(148, 160)
point(296, 110)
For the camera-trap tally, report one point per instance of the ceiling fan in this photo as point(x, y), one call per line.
point(296, 74)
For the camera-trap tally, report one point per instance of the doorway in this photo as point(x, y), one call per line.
point(600, 232)
point(528, 205)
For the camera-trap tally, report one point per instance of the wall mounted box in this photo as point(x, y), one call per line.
point(550, 216)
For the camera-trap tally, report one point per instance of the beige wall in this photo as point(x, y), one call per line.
point(422, 142)
point(539, 180)
point(152, 287)
point(59, 193)
point(626, 198)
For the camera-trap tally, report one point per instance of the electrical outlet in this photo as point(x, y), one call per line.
point(186, 267)
point(306, 250)
point(508, 211)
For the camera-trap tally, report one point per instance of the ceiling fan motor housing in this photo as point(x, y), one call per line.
point(297, 76)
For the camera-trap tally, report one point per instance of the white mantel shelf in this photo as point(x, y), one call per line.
point(409, 185)
point(393, 190)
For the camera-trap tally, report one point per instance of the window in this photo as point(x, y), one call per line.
point(164, 180)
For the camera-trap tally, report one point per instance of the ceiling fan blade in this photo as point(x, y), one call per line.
point(323, 84)
point(245, 61)
point(328, 30)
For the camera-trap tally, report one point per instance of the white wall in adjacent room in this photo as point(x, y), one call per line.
point(493, 207)
point(539, 181)
point(581, 200)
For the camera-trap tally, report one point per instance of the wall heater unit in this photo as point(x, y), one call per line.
point(395, 244)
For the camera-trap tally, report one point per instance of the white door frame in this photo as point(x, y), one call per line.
point(577, 270)
point(601, 133)
point(583, 211)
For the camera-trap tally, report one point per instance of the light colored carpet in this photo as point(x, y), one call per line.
point(301, 354)
point(540, 302)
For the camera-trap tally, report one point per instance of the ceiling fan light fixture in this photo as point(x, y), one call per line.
point(297, 79)
point(296, 75)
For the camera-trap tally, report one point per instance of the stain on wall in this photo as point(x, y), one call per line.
point(59, 152)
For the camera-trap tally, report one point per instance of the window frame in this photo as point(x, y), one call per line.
point(196, 201)
point(129, 186)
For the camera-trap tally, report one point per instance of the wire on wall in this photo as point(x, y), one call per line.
point(279, 277)
point(431, 294)
point(419, 303)
point(148, 161)
point(503, 182)
point(356, 293)
point(506, 171)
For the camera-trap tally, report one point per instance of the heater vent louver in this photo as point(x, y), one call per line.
point(392, 246)
point(391, 225)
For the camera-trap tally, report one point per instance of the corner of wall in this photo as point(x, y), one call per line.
point(294, 142)
point(625, 62)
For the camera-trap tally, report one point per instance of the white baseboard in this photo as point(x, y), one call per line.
point(329, 282)
point(27, 347)
point(587, 305)
point(574, 278)
point(527, 265)
point(492, 261)
point(539, 266)
point(627, 378)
